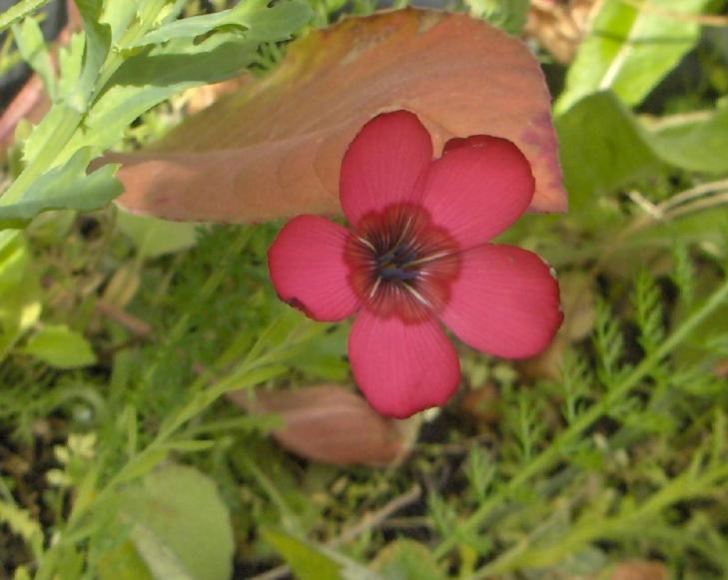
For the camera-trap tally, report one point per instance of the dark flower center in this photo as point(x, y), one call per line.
point(401, 264)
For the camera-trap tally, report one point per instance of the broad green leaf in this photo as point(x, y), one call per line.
point(253, 17)
point(629, 50)
point(123, 562)
point(404, 559)
point(179, 525)
point(31, 45)
point(154, 237)
point(60, 347)
point(66, 187)
point(307, 562)
point(602, 148)
point(695, 144)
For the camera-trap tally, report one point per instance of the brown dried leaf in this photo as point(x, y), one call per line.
point(331, 424)
point(639, 570)
point(274, 148)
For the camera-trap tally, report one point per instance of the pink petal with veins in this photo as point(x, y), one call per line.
point(402, 368)
point(505, 302)
point(383, 163)
point(478, 189)
point(307, 268)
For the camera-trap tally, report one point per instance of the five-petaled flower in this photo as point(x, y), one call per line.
point(417, 255)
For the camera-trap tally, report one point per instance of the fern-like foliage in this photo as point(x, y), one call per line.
point(647, 303)
point(608, 342)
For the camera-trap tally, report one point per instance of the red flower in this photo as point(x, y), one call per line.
point(417, 255)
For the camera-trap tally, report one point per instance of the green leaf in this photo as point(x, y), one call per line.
point(154, 237)
point(70, 62)
point(22, 523)
point(31, 45)
point(148, 78)
point(98, 44)
point(307, 562)
point(508, 15)
point(630, 50)
point(602, 148)
point(65, 187)
point(123, 563)
point(695, 143)
point(179, 525)
point(20, 293)
point(18, 11)
point(119, 16)
point(254, 17)
point(277, 22)
point(404, 559)
point(60, 347)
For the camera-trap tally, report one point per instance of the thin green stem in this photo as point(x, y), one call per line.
point(587, 530)
point(550, 457)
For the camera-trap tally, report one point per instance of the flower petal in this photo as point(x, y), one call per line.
point(307, 268)
point(402, 368)
point(505, 302)
point(479, 187)
point(383, 163)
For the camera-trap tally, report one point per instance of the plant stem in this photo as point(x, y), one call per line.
point(549, 458)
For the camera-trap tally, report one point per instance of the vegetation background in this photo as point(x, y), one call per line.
point(129, 447)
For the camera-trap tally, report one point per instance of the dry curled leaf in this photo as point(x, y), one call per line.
point(274, 148)
point(331, 424)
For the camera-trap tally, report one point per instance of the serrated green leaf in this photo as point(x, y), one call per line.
point(148, 78)
point(98, 44)
point(65, 187)
point(695, 144)
point(19, 10)
point(31, 45)
point(195, 26)
point(255, 18)
point(70, 62)
point(60, 347)
point(629, 50)
point(278, 22)
point(306, 562)
point(179, 525)
point(602, 148)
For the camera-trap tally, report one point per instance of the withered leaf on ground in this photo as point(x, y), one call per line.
point(331, 424)
point(273, 148)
